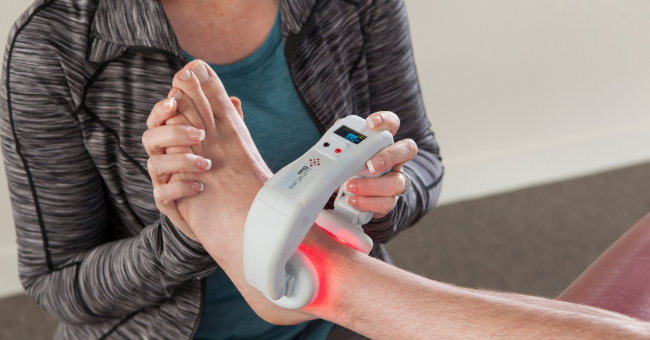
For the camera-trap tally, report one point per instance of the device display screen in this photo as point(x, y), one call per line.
point(349, 134)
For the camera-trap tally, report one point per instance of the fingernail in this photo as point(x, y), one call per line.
point(195, 134)
point(197, 186)
point(374, 121)
point(203, 163)
point(186, 75)
point(352, 201)
point(179, 95)
point(170, 103)
point(352, 187)
point(201, 71)
point(375, 164)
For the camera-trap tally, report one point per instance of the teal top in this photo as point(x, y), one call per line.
point(282, 131)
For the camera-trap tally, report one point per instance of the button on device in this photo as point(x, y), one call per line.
point(332, 147)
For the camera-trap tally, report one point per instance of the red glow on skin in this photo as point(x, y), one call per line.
point(340, 240)
point(325, 264)
point(322, 264)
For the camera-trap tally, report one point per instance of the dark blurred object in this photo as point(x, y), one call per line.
point(619, 279)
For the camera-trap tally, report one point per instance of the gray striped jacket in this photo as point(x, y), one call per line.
point(79, 80)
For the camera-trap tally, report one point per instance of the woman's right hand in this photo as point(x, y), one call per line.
point(173, 144)
point(219, 217)
point(174, 156)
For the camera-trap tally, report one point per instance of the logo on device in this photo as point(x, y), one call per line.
point(301, 174)
point(314, 162)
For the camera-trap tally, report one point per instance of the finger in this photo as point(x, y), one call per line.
point(184, 176)
point(181, 119)
point(157, 139)
point(378, 205)
point(179, 149)
point(159, 165)
point(393, 156)
point(168, 193)
point(162, 111)
point(187, 81)
point(178, 119)
point(383, 121)
point(391, 184)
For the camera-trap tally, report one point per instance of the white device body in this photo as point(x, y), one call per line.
point(288, 204)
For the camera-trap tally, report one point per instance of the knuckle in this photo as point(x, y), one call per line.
point(411, 146)
point(189, 160)
point(158, 195)
point(387, 205)
point(145, 138)
point(362, 204)
point(388, 115)
point(175, 120)
point(362, 185)
point(173, 191)
point(398, 185)
point(153, 164)
point(389, 154)
point(187, 189)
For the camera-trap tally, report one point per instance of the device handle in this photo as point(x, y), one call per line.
point(345, 222)
point(347, 212)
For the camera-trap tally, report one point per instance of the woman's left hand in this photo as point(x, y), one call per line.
point(379, 195)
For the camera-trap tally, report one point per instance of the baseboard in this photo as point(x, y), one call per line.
point(9, 282)
point(551, 161)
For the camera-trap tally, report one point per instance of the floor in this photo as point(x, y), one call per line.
point(533, 241)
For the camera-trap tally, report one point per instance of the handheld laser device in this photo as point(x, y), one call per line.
point(291, 201)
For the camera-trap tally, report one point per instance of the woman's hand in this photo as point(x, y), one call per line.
point(379, 195)
point(161, 140)
point(218, 215)
point(174, 155)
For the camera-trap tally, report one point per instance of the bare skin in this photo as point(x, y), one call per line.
point(359, 292)
point(196, 110)
point(364, 298)
point(351, 282)
point(226, 31)
point(221, 32)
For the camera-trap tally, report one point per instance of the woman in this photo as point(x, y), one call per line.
point(79, 81)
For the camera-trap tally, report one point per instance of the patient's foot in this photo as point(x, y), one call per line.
point(237, 172)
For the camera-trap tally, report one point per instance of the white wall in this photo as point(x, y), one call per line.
point(519, 93)
point(524, 92)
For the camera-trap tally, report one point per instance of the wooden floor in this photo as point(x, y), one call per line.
point(533, 241)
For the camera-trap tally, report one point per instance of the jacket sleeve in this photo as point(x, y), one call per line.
point(68, 261)
point(394, 86)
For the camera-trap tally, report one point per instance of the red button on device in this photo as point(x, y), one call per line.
point(337, 150)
